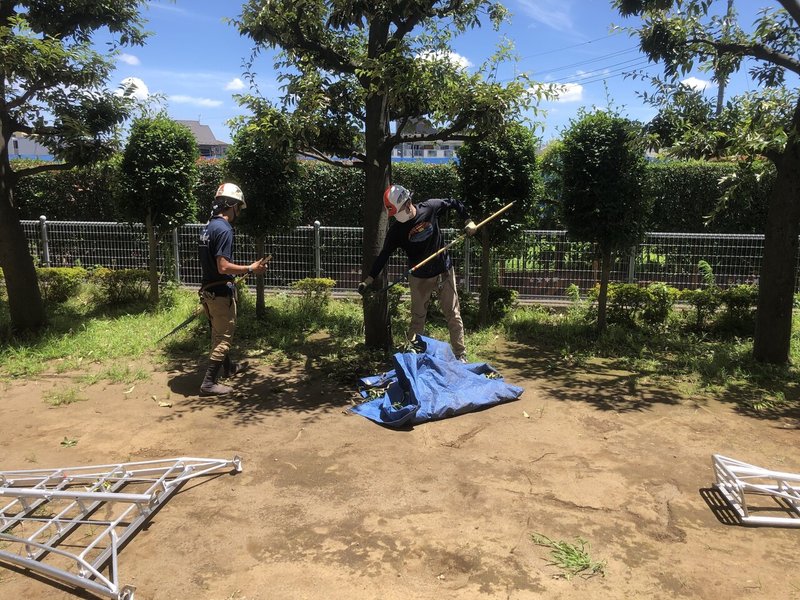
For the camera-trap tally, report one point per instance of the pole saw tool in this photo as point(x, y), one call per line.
point(199, 310)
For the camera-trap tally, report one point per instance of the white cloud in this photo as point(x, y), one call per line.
point(235, 84)
point(569, 92)
point(207, 102)
point(454, 58)
point(553, 13)
point(138, 88)
point(129, 59)
point(697, 84)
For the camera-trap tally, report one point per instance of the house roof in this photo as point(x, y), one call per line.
point(202, 133)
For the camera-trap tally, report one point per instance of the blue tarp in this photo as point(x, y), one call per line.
point(431, 384)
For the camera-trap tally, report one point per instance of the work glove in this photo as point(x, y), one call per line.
point(470, 228)
point(362, 287)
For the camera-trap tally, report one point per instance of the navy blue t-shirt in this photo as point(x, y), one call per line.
point(216, 239)
point(419, 238)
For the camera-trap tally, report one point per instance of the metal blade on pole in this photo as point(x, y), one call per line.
point(445, 248)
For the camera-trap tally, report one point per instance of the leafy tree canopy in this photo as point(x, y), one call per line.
point(336, 56)
point(53, 82)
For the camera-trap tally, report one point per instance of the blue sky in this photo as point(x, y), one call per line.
point(194, 59)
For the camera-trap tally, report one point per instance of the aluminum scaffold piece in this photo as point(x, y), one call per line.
point(49, 525)
point(741, 483)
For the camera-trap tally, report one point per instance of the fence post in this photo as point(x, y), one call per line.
point(317, 251)
point(466, 264)
point(45, 241)
point(176, 253)
point(632, 265)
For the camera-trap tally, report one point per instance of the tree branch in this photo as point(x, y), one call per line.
point(23, 98)
point(328, 56)
point(316, 154)
point(755, 50)
point(65, 166)
point(793, 8)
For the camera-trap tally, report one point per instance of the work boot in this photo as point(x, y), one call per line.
point(231, 368)
point(210, 387)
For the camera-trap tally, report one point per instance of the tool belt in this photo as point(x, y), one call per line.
point(216, 289)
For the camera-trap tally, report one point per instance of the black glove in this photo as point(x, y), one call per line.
point(362, 288)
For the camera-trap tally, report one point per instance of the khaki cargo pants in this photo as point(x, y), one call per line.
point(421, 290)
point(221, 312)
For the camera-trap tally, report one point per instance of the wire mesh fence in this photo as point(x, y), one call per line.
point(540, 265)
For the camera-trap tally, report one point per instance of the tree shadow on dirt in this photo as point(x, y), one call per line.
point(607, 389)
point(304, 383)
point(558, 354)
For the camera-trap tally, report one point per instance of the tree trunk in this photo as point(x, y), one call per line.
point(377, 326)
point(778, 269)
point(152, 260)
point(602, 297)
point(260, 252)
point(24, 298)
point(486, 277)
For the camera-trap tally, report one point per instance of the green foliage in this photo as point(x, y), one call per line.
point(158, 172)
point(56, 82)
point(634, 305)
point(705, 301)
point(81, 194)
point(739, 303)
point(501, 302)
point(210, 174)
point(264, 170)
point(315, 294)
point(572, 558)
point(603, 167)
point(59, 284)
point(120, 286)
point(497, 170)
point(702, 196)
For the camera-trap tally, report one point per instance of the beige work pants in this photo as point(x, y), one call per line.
point(421, 290)
point(221, 313)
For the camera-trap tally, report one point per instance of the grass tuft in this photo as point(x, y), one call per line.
point(572, 559)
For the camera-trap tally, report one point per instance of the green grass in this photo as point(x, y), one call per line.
point(63, 397)
point(109, 344)
point(572, 558)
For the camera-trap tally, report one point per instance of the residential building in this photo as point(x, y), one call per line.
point(207, 142)
point(23, 146)
point(429, 152)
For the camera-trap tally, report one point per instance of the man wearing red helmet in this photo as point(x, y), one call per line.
point(218, 290)
point(416, 230)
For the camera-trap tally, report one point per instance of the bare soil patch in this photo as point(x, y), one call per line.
point(330, 505)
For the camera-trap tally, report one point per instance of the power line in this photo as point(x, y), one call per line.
point(605, 37)
point(620, 66)
point(590, 60)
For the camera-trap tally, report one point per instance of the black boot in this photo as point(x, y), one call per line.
point(231, 368)
point(210, 387)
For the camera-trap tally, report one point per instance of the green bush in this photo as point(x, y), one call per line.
point(501, 301)
point(59, 284)
point(739, 304)
point(658, 306)
point(120, 286)
point(633, 305)
point(705, 301)
point(315, 294)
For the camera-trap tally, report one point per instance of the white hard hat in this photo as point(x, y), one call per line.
point(229, 194)
point(395, 198)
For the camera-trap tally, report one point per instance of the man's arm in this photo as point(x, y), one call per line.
point(389, 246)
point(226, 267)
point(453, 203)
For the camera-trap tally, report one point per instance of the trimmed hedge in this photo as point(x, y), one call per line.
point(684, 194)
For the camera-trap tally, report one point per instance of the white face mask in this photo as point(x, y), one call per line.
point(405, 213)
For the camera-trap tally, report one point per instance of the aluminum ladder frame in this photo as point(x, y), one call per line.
point(737, 480)
point(95, 567)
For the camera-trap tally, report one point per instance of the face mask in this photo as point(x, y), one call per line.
point(403, 215)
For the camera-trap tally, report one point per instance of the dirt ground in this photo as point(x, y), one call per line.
point(332, 506)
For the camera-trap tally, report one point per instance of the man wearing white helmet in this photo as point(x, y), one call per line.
point(218, 290)
point(416, 230)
